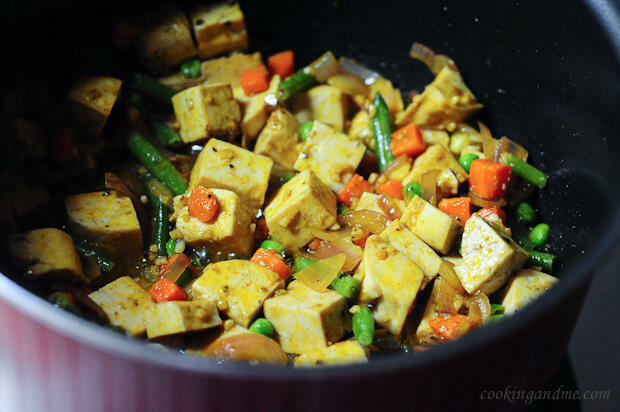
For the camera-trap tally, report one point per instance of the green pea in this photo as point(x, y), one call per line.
point(497, 309)
point(171, 245)
point(270, 244)
point(347, 286)
point(191, 68)
point(62, 300)
point(412, 189)
point(263, 327)
point(525, 213)
point(496, 318)
point(364, 326)
point(305, 129)
point(539, 234)
point(466, 159)
point(301, 263)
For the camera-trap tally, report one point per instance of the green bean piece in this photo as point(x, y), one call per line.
point(288, 177)
point(270, 244)
point(364, 326)
point(171, 245)
point(496, 318)
point(412, 189)
point(84, 250)
point(157, 164)
point(262, 326)
point(161, 234)
point(497, 309)
point(459, 246)
point(166, 134)
point(525, 213)
point(191, 68)
point(544, 260)
point(151, 88)
point(305, 129)
point(61, 299)
point(342, 208)
point(466, 159)
point(185, 277)
point(381, 125)
point(196, 259)
point(539, 234)
point(523, 242)
point(347, 286)
point(302, 262)
point(525, 170)
point(299, 81)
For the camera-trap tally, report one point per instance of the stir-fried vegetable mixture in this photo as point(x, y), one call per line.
point(251, 211)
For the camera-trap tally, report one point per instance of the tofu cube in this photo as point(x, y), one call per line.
point(219, 28)
point(279, 138)
point(329, 105)
point(228, 69)
point(435, 157)
point(305, 320)
point(414, 248)
point(360, 129)
point(239, 287)
point(341, 353)
point(205, 112)
point(301, 206)
point(169, 318)
point(165, 38)
point(436, 228)
point(46, 254)
point(256, 107)
point(90, 101)
point(370, 201)
point(424, 334)
point(126, 304)
point(391, 95)
point(232, 230)
point(488, 257)
point(524, 288)
point(391, 281)
point(226, 166)
point(331, 155)
point(109, 220)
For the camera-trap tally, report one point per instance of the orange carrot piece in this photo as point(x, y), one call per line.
point(314, 245)
point(166, 290)
point(202, 204)
point(362, 241)
point(392, 188)
point(282, 63)
point(407, 140)
point(457, 207)
point(354, 189)
point(487, 211)
point(489, 179)
point(271, 259)
point(255, 80)
point(451, 327)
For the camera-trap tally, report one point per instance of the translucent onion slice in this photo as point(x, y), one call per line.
point(389, 207)
point(479, 308)
point(428, 182)
point(488, 142)
point(180, 262)
point(353, 67)
point(348, 84)
point(435, 62)
point(324, 67)
point(368, 221)
point(336, 242)
point(318, 276)
point(480, 202)
point(505, 145)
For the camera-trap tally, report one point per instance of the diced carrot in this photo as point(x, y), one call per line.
point(407, 140)
point(489, 179)
point(271, 259)
point(282, 63)
point(392, 188)
point(451, 327)
point(202, 204)
point(362, 241)
point(262, 231)
point(166, 290)
point(255, 80)
point(457, 207)
point(487, 211)
point(315, 244)
point(354, 189)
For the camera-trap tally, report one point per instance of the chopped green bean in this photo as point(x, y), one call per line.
point(342, 208)
point(61, 299)
point(84, 249)
point(288, 177)
point(197, 259)
point(466, 159)
point(191, 68)
point(381, 125)
point(347, 286)
point(544, 260)
point(305, 129)
point(497, 309)
point(160, 227)
point(496, 318)
point(302, 262)
point(299, 81)
point(412, 189)
point(523, 242)
point(185, 277)
point(364, 326)
point(151, 88)
point(539, 234)
point(269, 244)
point(526, 171)
point(525, 213)
point(262, 326)
point(166, 134)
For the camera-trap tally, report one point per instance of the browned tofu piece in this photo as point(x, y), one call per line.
point(279, 138)
point(109, 220)
point(46, 254)
point(90, 101)
point(219, 28)
point(165, 38)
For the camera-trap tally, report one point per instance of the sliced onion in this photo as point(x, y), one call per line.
point(428, 182)
point(505, 145)
point(368, 221)
point(479, 308)
point(319, 275)
point(356, 69)
point(446, 296)
point(446, 270)
point(478, 201)
point(335, 242)
point(395, 164)
point(488, 142)
point(324, 67)
point(389, 207)
point(435, 62)
point(178, 266)
point(348, 84)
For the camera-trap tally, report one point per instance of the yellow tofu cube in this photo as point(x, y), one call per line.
point(360, 129)
point(46, 254)
point(436, 228)
point(256, 107)
point(169, 318)
point(391, 95)
point(205, 112)
point(488, 257)
point(329, 105)
point(165, 39)
point(415, 249)
point(341, 353)
point(305, 320)
point(524, 288)
point(126, 304)
point(301, 206)
point(433, 137)
point(331, 155)
point(228, 69)
point(219, 28)
point(435, 157)
point(370, 201)
point(226, 166)
point(231, 230)
point(90, 101)
point(279, 138)
point(109, 220)
point(238, 287)
point(391, 281)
